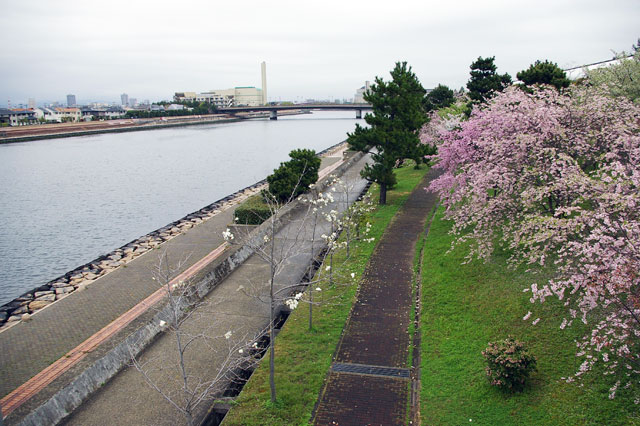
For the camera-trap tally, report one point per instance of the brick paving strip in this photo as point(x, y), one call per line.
point(39, 381)
point(369, 380)
point(49, 374)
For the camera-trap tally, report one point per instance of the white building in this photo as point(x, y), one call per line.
point(238, 96)
point(38, 112)
point(58, 115)
point(359, 96)
point(175, 107)
point(17, 116)
point(220, 100)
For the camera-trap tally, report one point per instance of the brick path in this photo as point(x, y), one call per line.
point(376, 333)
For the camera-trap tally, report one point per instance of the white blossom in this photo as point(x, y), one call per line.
point(227, 235)
point(227, 335)
point(163, 323)
point(291, 303)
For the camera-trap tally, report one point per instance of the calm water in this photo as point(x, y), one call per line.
point(64, 202)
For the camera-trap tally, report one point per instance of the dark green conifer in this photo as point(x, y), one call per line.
point(397, 116)
point(440, 97)
point(485, 81)
point(544, 73)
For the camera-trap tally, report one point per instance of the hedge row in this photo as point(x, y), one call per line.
point(253, 211)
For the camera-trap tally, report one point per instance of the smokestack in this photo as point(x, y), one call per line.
point(264, 83)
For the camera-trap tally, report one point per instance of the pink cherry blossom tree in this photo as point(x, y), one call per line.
point(556, 178)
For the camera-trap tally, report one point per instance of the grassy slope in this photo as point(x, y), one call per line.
point(303, 357)
point(465, 307)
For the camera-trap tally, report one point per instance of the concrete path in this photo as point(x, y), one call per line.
point(369, 379)
point(239, 304)
point(51, 335)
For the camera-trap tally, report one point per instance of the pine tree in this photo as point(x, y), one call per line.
point(544, 73)
point(485, 81)
point(440, 97)
point(397, 116)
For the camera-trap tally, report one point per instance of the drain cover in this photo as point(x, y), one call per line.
point(373, 370)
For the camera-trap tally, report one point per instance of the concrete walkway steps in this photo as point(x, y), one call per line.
point(368, 381)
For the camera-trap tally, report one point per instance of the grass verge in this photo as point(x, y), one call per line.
point(303, 357)
point(466, 306)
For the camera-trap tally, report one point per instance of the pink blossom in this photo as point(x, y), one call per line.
point(556, 177)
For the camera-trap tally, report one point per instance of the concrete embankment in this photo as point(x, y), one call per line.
point(32, 345)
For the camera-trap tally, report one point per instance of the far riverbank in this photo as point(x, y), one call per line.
point(65, 130)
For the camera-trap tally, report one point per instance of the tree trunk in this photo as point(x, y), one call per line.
point(383, 194)
point(272, 354)
point(310, 309)
point(272, 315)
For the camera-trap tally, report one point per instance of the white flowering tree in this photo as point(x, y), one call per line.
point(351, 224)
point(173, 374)
point(276, 246)
point(316, 212)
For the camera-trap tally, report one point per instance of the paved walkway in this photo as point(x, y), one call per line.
point(68, 328)
point(369, 380)
point(238, 304)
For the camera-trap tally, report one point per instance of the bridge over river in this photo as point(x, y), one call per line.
point(275, 108)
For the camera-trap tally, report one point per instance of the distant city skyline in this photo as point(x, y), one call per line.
point(151, 50)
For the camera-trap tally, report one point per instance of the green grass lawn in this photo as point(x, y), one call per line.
point(465, 307)
point(303, 357)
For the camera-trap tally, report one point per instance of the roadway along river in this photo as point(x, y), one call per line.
point(65, 202)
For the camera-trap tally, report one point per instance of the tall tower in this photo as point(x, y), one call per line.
point(264, 83)
point(71, 100)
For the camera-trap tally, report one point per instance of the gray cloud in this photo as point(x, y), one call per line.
point(151, 49)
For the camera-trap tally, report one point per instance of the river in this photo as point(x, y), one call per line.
point(64, 202)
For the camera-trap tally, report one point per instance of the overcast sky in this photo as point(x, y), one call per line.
point(318, 49)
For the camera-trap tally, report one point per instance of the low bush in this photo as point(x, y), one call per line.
point(253, 211)
point(509, 364)
point(293, 177)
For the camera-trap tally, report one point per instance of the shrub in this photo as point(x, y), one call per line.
point(508, 364)
point(293, 177)
point(253, 211)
